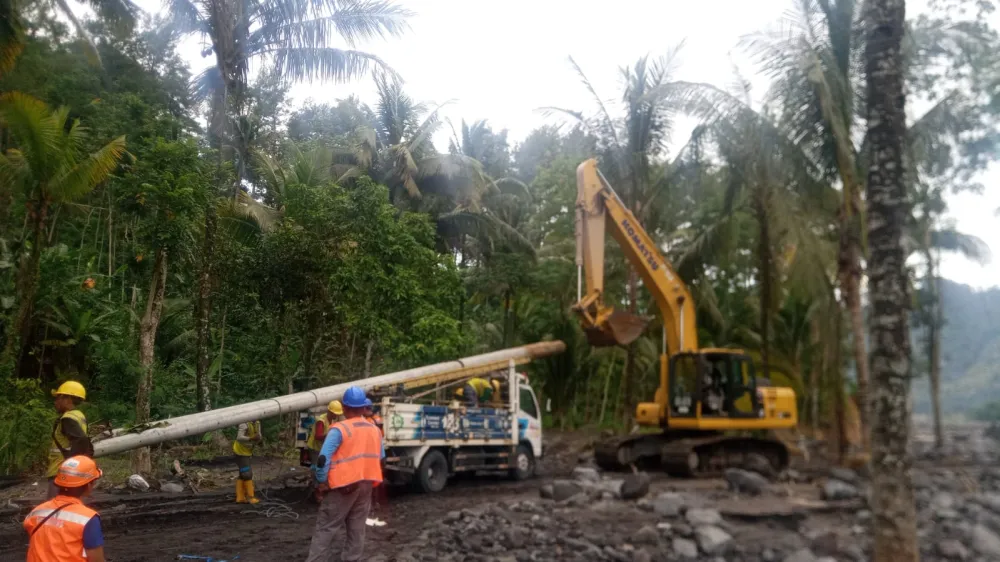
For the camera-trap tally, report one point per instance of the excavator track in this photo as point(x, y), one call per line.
point(690, 453)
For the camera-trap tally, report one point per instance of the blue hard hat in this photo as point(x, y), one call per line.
point(355, 397)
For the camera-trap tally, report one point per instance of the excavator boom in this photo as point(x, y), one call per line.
point(598, 209)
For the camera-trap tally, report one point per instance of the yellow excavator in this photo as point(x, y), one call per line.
point(712, 412)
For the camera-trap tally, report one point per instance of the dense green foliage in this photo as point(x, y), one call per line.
point(331, 241)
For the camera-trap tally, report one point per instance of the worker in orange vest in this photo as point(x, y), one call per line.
point(63, 529)
point(349, 465)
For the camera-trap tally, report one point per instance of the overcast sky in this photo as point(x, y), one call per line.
point(502, 60)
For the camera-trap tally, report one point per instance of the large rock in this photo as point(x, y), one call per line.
point(943, 500)
point(844, 474)
point(685, 549)
point(138, 483)
point(834, 490)
point(172, 488)
point(646, 535)
point(746, 482)
point(564, 489)
point(760, 465)
point(712, 539)
point(985, 541)
point(669, 504)
point(698, 517)
point(801, 555)
point(953, 550)
point(634, 486)
point(586, 474)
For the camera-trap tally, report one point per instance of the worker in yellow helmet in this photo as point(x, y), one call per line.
point(334, 413)
point(69, 432)
point(477, 390)
point(247, 436)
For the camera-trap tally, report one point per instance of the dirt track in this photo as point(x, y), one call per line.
point(159, 527)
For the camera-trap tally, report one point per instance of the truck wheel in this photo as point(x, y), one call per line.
point(524, 463)
point(433, 472)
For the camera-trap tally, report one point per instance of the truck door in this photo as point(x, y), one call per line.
point(529, 420)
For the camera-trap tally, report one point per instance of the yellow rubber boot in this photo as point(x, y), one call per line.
point(240, 491)
point(248, 484)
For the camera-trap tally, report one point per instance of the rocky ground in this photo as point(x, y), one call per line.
point(575, 512)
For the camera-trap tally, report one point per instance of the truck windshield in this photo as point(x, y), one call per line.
point(527, 399)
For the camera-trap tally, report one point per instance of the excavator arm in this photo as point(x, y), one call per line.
point(598, 208)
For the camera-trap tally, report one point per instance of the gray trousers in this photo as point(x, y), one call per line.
point(342, 508)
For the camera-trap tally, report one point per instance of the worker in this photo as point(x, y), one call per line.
point(63, 529)
point(350, 464)
point(478, 390)
point(69, 432)
point(247, 436)
point(334, 413)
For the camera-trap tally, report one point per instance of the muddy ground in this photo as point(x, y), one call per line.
point(791, 519)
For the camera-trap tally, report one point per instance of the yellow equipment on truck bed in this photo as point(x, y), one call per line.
point(708, 399)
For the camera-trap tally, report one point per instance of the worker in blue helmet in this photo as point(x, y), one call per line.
point(349, 464)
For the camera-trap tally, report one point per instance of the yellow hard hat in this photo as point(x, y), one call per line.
point(71, 388)
point(336, 407)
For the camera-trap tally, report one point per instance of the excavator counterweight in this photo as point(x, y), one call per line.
point(704, 394)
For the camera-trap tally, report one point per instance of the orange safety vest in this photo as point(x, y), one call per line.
point(60, 539)
point(359, 456)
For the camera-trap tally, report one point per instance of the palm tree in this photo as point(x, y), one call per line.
point(893, 504)
point(815, 69)
point(290, 38)
point(120, 13)
point(398, 151)
point(49, 167)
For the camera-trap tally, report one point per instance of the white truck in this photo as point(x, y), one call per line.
point(426, 443)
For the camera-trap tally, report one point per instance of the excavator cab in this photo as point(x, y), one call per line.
point(717, 383)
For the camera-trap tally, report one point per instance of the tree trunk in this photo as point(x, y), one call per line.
point(839, 396)
point(368, 358)
point(934, 346)
point(764, 268)
point(147, 340)
point(892, 489)
point(817, 364)
point(203, 311)
point(849, 266)
point(27, 285)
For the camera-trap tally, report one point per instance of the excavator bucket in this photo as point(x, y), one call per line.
point(621, 328)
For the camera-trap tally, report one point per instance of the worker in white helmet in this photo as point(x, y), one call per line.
point(69, 432)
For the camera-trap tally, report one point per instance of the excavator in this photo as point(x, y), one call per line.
point(712, 412)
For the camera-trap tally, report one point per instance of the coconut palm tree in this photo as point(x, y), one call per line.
point(893, 504)
point(295, 41)
point(48, 166)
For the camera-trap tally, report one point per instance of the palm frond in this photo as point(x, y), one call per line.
point(36, 128)
point(84, 176)
point(89, 48)
point(972, 247)
point(607, 124)
point(11, 35)
point(302, 64)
